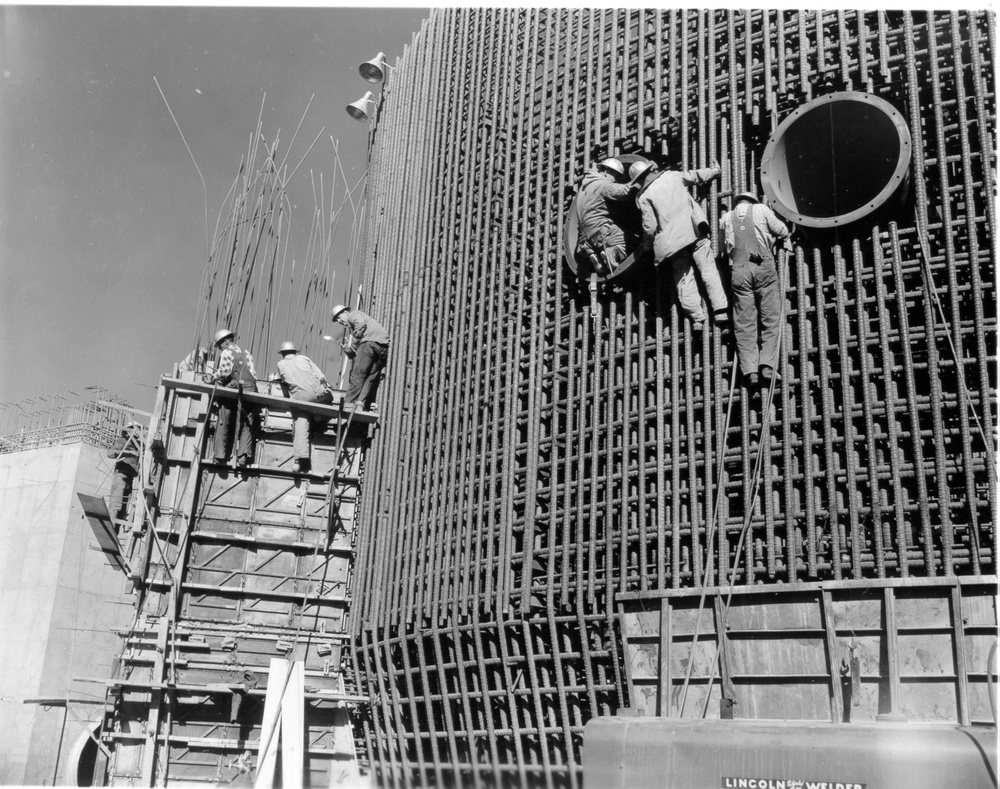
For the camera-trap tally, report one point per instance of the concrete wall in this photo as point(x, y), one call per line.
point(59, 602)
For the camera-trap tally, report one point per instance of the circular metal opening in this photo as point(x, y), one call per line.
point(836, 159)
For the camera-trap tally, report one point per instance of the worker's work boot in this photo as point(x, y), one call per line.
point(303, 465)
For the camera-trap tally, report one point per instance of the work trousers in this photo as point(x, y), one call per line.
point(121, 489)
point(246, 431)
point(608, 244)
point(756, 300)
point(369, 362)
point(682, 264)
point(303, 423)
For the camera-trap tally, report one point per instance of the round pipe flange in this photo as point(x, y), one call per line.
point(836, 160)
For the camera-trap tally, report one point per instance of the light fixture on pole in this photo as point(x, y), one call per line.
point(359, 109)
point(373, 70)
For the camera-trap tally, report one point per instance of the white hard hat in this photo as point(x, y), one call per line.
point(638, 170)
point(613, 165)
point(288, 347)
point(745, 196)
point(222, 334)
point(337, 310)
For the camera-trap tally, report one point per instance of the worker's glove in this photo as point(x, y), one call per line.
point(351, 353)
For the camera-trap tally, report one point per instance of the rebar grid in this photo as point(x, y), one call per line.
point(536, 460)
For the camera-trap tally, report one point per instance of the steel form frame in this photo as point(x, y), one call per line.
point(537, 461)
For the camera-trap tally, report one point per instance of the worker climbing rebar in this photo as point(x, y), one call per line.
point(368, 345)
point(302, 380)
point(750, 231)
point(235, 370)
point(600, 240)
point(675, 228)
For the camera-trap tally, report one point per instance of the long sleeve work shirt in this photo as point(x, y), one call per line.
point(363, 328)
point(597, 192)
point(671, 218)
point(126, 450)
point(304, 379)
point(224, 374)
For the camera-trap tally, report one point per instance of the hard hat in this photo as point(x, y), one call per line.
point(337, 310)
point(638, 170)
point(222, 334)
point(745, 196)
point(288, 347)
point(613, 165)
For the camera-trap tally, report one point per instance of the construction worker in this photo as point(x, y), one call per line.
point(235, 370)
point(675, 229)
point(600, 240)
point(302, 380)
point(125, 451)
point(749, 232)
point(196, 361)
point(368, 345)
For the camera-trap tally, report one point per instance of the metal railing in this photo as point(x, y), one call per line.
point(57, 419)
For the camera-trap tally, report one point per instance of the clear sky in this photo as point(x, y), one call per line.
point(102, 213)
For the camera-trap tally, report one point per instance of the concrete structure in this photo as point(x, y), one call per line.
point(60, 605)
point(553, 450)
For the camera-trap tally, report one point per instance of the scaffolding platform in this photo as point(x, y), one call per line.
point(239, 573)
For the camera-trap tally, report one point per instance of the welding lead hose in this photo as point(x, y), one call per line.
point(765, 423)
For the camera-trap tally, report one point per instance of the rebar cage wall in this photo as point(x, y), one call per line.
point(535, 460)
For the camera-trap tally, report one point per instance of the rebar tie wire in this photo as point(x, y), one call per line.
point(765, 425)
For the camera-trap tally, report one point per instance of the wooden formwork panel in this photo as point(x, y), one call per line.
point(207, 746)
point(286, 504)
point(847, 651)
point(266, 579)
point(242, 566)
point(185, 418)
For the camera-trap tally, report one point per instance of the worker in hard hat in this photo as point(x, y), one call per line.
point(675, 228)
point(234, 370)
point(368, 345)
point(750, 231)
point(600, 240)
point(302, 380)
point(196, 361)
point(125, 451)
